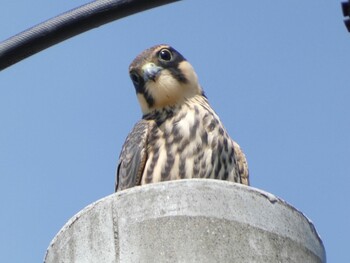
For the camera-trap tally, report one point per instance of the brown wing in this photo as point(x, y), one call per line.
point(133, 157)
point(241, 161)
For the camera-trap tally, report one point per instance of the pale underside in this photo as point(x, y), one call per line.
point(187, 141)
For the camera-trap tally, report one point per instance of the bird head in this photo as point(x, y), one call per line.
point(163, 77)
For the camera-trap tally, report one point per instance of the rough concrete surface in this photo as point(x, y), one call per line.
point(194, 220)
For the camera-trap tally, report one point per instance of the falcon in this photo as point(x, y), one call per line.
point(179, 136)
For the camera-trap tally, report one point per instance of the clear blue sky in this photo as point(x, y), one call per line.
point(276, 72)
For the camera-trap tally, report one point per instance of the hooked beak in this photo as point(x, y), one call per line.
point(150, 71)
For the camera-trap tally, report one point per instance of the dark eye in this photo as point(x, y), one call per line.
point(135, 78)
point(165, 55)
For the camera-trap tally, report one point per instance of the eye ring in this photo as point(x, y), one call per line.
point(165, 55)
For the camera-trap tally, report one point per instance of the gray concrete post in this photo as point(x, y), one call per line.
point(194, 220)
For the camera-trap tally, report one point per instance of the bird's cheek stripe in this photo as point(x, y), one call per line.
point(140, 89)
point(149, 99)
point(178, 75)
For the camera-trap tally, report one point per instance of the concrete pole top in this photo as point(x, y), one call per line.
point(195, 220)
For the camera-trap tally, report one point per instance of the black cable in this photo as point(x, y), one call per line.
point(69, 24)
point(346, 12)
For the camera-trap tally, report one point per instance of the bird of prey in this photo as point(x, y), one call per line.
point(179, 136)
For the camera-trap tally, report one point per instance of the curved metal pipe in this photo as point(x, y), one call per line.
point(346, 12)
point(69, 24)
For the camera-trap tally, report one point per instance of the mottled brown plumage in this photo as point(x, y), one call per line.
point(180, 136)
